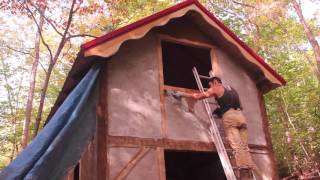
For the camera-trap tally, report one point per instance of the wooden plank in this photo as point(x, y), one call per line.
point(132, 163)
point(266, 130)
point(161, 89)
point(102, 126)
point(121, 141)
point(185, 42)
point(161, 164)
point(215, 63)
point(127, 141)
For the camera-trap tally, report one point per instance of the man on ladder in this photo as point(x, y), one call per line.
point(234, 123)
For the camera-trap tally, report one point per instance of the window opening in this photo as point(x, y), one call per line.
point(191, 165)
point(76, 172)
point(178, 61)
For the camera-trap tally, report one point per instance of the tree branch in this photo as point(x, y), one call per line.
point(27, 53)
point(40, 32)
point(48, 20)
point(79, 35)
point(20, 51)
point(222, 9)
point(9, 93)
point(77, 8)
point(70, 46)
point(63, 39)
point(43, 68)
point(243, 4)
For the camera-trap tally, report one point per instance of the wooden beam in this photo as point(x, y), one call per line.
point(186, 42)
point(132, 163)
point(102, 126)
point(161, 164)
point(121, 141)
point(215, 63)
point(187, 145)
point(161, 90)
point(266, 130)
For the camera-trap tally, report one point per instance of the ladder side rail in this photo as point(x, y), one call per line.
point(215, 135)
point(216, 138)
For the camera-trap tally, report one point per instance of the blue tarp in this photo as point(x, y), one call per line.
point(61, 142)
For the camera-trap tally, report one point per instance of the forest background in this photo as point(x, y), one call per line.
point(39, 41)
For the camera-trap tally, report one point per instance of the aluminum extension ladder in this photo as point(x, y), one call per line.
point(214, 133)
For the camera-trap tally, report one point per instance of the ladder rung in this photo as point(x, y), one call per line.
point(204, 77)
point(240, 168)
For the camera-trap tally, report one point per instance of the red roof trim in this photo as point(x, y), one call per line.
point(170, 10)
point(135, 25)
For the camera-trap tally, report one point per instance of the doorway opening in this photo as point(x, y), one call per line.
point(178, 61)
point(191, 165)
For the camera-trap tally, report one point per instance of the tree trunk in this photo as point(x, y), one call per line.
point(50, 68)
point(307, 158)
point(311, 38)
point(289, 121)
point(288, 137)
point(42, 99)
point(33, 74)
point(13, 116)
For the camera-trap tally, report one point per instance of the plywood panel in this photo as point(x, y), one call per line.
point(133, 90)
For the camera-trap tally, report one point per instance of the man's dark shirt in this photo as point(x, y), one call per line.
point(230, 99)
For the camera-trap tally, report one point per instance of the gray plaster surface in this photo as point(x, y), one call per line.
point(133, 90)
point(236, 77)
point(183, 124)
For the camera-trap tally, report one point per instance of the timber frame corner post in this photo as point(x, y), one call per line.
point(102, 126)
point(266, 129)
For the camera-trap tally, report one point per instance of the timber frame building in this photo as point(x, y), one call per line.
point(143, 132)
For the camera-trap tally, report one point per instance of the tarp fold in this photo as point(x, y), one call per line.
point(61, 142)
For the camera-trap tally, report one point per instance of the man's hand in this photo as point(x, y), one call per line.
point(197, 95)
